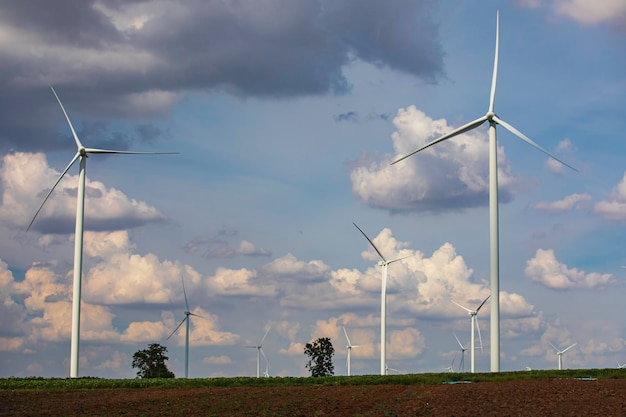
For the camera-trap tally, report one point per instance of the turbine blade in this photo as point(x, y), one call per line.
point(492, 96)
point(53, 187)
point(479, 336)
point(459, 342)
point(399, 259)
point(264, 336)
point(455, 132)
point(482, 304)
point(185, 293)
point(110, 151)
point(371, 243)
point(347, 338)
point(177, 327)
point(464, 308)
point(565, 350)
point(528, 140)
point(554, 347)
point(69, 122)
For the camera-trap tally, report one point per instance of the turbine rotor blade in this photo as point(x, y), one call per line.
point(69, 122)
point(185, 293)
point(76, 157)
point(110, 151)
point(528, 140)
point(459, 342)
point(479, 336)
point(347, 338)
point(464, 308)
point(399, 259)
point(177, 327)
point(483, 303)
point(371, 243)
point(554, 347)
point(455, 132)
point(264, 336)
point(492, 96)
point(565, 350)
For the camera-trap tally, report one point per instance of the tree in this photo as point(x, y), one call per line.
point(151, 362)
point(320, 354)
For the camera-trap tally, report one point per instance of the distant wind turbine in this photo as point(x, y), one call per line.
point(384, 263)
point(349, 348)
point(451, 367)
point(82, 153)
point(463, 349)
point(474, 324)
point(621, 366)
point(259, 352)
point(186, 320)
point(493, 120)
point(561, 352)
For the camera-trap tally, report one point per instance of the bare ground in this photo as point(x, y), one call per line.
point(545, 397)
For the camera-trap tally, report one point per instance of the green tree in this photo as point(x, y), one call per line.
point(320, 354)
point(151, 362)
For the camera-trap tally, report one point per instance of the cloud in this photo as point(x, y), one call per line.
point(569, 203)
point(221, 246)
point(451, 175)
point(136, 59)
point(592, 13)
point(346, 117)
point(217, 360)
point(26, 179)
point(546, 270)
point(613, 208)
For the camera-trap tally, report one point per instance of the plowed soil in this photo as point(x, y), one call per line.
point(563, 397)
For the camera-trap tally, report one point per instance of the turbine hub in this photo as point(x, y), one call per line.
point(490, 115)
point(82, 151)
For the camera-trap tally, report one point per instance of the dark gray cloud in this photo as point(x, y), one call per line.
point(346, 117)
point(123, 60)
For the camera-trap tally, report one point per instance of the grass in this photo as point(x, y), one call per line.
point(37, 383)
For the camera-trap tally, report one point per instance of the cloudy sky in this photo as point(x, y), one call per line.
point(286, 116)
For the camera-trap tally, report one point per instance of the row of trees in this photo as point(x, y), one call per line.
point(151, 362)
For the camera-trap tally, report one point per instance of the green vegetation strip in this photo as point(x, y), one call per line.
point(410, 379)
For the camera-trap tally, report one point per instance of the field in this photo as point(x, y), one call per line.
point(536, 393)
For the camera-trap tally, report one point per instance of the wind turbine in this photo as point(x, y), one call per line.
point(387, 369)
point(621, 366)
point(463, 349)
point(186, 321)
point(493, 120)
point(349, 347)
point(451, 367)
point(82, 153)
point(259, 352)
point(474, 323)
point(561, 352)
point(384, 263)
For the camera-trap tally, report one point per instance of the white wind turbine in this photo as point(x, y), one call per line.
point(82, 153)
point(474, 326)
point(493, 120)
point(349, 347)
point(561, 352)
point(384, 263)
point(463, 349)
point(259, 352)
point(451, 367)
point(621, 365)
point(186, 320)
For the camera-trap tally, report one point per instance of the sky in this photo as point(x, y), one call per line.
point(286, 116)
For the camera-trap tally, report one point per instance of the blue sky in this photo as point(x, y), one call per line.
point(286, 116)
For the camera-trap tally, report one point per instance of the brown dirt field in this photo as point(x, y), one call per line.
point(563, 397)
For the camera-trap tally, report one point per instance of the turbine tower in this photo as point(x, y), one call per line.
point(493, 120)
point(349, 347)
point(82, 153)
point(473, 326)
point(186, 321)
point(561, 352)
point(259, 352)
point(384, 263)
